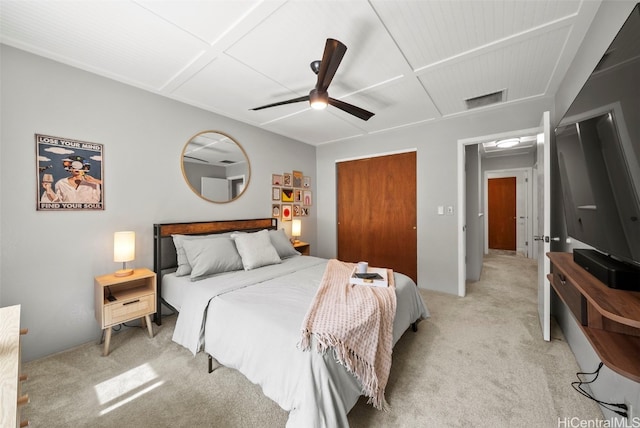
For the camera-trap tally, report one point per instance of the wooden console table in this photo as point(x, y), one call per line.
point(608, 317)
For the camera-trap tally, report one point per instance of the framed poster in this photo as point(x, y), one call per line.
point(276, 179)
point(275, 193)
point(287, 179)
point(307, 201)
point(287, 195)
point(275, 210)
point(297, 178)
point(286, 212)
point(70, 174)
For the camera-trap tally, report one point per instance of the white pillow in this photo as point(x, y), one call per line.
point(281, 243)
point(256, 249)
point(210, 256)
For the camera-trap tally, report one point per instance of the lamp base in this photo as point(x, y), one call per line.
point(123, 272)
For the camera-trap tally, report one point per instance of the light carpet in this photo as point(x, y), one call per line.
point(479, 361)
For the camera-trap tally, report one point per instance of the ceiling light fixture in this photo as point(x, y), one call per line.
point(509, 142)
point(318, 100)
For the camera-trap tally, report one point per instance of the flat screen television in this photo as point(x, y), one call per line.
point(598, 152)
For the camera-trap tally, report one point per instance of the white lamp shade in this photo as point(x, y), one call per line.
point(124, 246)
point(296, 228)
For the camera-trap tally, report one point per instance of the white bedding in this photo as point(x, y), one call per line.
point(254, 325)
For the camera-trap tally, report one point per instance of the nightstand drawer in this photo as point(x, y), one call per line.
point(119, 312)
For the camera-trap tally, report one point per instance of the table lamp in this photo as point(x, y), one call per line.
point(124, 250)
point(296, 229)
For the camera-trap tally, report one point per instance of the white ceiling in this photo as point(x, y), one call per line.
point(406, 61)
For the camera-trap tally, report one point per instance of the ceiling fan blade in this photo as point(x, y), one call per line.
point(334, 51)
point(351, 109)
point(294, 100)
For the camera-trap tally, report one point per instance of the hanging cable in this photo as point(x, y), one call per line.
point(578, 387)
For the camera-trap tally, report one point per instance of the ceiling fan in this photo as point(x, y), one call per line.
point(318, 98)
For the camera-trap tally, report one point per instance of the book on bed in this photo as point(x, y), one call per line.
point(376, 277)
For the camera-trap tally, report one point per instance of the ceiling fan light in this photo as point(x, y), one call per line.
point(318, 105)
point(509, 142)
point(318, 101)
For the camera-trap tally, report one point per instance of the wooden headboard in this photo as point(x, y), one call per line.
point(164, 251)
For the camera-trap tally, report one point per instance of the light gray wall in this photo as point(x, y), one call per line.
point(610, 386)
point(49, 259)
point(437, 145)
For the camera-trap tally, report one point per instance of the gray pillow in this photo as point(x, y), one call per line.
point(210, 256)
point(184, 268)
point(281, 243)
point(256, 249)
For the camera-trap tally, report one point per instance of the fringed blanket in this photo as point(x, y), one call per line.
point(357, 323)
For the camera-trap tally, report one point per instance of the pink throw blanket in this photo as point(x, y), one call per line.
point(357, 323)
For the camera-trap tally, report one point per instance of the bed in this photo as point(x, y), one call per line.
point(250, 319)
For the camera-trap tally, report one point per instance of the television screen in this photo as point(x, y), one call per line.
point(598, 150)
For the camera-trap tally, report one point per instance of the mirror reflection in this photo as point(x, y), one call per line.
point(215, 166)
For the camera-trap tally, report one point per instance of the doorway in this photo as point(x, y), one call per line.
point(493, 166)
point(524, 207)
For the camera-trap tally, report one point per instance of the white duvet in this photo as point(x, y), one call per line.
point(251, 321)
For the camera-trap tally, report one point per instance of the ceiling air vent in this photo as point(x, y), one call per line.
point(485, 100)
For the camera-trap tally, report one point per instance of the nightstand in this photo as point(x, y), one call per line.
point(135, 297)
point(303, 247)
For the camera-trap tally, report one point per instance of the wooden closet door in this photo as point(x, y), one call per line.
point(377, 212)
point(502, 213)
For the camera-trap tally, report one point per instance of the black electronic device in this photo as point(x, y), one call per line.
point(613, 273)
point(111, 297)
point(598, 158)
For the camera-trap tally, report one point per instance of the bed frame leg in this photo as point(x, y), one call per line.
point(414, 326)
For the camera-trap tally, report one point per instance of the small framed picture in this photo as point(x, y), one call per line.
point(69, 174)
point(275, 210)
point(297, 195)
point(296, 210)
point(286, 212)
point(276, 179)
point(287, 195)
point(306, 182)
point(297, 178)
point(287, 179)
point(307, 200)
point(304, 211)
point(275, 193)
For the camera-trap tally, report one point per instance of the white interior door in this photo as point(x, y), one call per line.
point(543, 233)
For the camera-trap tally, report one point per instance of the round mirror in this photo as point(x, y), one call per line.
point(215, 166)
